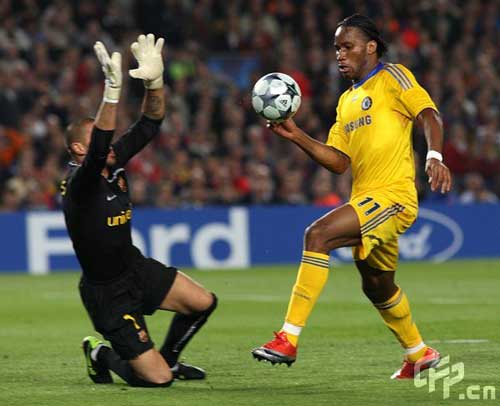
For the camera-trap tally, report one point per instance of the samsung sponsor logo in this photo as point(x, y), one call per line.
point(355, 124)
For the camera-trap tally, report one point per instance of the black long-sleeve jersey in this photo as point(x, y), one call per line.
point(97, 209)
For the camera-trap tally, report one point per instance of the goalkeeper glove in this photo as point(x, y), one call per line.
point(148, 55)
point(112, 68)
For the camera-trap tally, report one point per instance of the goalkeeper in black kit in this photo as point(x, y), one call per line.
point(118, 284)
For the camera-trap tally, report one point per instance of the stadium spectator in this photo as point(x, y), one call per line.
point(322, 190)
point(11, 142)
point(46, 81)
point(13, 195)
point(475, 190)
point(456, 150)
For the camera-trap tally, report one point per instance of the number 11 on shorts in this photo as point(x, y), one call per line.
point(374, 207)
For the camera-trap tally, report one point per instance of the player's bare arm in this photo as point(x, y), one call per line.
point(438, 173)
point(153, 105)
point(326, 156)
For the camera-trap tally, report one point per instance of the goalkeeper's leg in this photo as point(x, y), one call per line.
point(193, 305)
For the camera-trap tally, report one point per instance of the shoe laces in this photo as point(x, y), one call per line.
point(280, 336)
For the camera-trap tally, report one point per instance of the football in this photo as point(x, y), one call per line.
point(276, 97)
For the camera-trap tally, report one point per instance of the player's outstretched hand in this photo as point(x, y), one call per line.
point(286, 129)
point(439, 175)
point(148, 56)
point(112, 68)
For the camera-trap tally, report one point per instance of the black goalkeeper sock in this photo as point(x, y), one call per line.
point(181, 331)
point(108, 357)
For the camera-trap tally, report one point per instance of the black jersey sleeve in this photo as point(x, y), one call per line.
point(135, 139)
point(88, 174)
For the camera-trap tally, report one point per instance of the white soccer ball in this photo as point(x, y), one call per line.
point(276, 97)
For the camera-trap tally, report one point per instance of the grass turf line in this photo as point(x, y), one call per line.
point(346, 354)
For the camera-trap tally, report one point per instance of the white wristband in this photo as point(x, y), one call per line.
point(111, 94)
point(107, 100)
point(435, 155)
point(154, 84)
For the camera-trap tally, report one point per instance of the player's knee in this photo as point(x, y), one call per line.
point(371, 293)
point(213, 305)
point(314, 238)
point(161, 382)
point(209, 304)
point(159, 377)
point(163, 379)
point(371, 286)
point(370, 283)
point(202, 305)
point(378, 290)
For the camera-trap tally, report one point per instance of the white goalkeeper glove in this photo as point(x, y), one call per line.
point(112, 68)
point(148, 55)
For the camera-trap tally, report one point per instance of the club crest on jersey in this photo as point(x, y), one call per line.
point(366, 103)
point(143, 336)
point(122, 183)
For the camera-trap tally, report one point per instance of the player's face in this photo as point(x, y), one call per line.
point(111, 158)
point(353, 52)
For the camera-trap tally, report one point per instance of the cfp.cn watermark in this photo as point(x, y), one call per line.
point(449, 375)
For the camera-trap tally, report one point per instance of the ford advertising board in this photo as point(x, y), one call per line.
point(239, 237)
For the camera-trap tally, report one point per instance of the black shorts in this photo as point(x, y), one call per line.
point(117, 308)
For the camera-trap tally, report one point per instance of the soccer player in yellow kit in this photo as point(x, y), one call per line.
point(372, 134)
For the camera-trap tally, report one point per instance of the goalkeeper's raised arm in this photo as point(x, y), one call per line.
point(88, 140)
point(111, 66)
point(147, 53)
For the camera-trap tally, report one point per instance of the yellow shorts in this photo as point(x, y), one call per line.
point(383, 216)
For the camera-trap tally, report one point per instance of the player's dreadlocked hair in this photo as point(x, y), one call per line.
point(368, 27)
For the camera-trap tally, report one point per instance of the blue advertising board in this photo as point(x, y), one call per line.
point(239, 237)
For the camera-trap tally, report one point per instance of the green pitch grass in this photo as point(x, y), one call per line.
point(346, 354)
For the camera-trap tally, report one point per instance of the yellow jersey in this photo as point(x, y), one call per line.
point(374, 126)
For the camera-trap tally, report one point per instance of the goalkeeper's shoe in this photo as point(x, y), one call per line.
point(187, 372)
point(97, 372)
point(409, 369)
point(277, 351)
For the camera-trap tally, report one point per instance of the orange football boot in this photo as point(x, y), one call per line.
point(277, 351)
point(409, 369)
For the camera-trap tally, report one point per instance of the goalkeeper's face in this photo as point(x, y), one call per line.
point(110, 159)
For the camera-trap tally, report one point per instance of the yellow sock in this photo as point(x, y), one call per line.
point(397, 316)
point(312, 276)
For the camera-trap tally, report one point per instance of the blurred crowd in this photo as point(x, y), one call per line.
point(213, 149)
